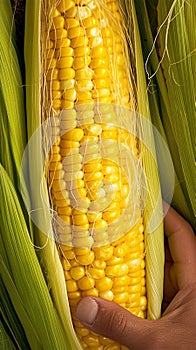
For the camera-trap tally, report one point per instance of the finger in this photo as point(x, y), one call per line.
point(182, 245)
point(112, 321)
point(181, 239)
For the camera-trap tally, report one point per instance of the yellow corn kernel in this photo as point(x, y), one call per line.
point(65, 52)
point(82, 242)
point(66, 219)
point(79, 193)
point(121, 297)
point(81, 62)
point(58, 34)
point(108, 295)
point(82, 331)
point(114, 260)
point(143, 303)
point(82, 51)
point(58, 22)
point(64, 42)
point(80, 220)
point(94, 216)
point(65, 5)
point(71, 286)
point(59, 185)
point(74, 135)
point(77, 272)
point(81, 251)
point(86, 283)
point(90, 292)
point(74, 295)
point(66, 248)
point(99, 264)
point(84, 73)
point(117, 270)
point(84, 85)
point(55, 13)
point(86, 259)
point(95, 273)
point(55, 166)
point(65, 62)
point(79, 41)
point(72, 12)
point(104, 253)
point(70, 95)
point(104, 284)
point(90, 22)
point(53, 85)
point(97, 176)
point(110, 216)
point(93, 130)
point(83, 96)
point(75, 32)
point(68, 254)
point(119, 290)
point(66, 73)
point(100, 73)
point(91, 341)
point(134, 299)
point(67, 104)
point(71, 23)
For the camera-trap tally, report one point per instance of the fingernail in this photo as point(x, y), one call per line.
point(86, 310)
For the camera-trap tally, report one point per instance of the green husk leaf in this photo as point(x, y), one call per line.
point(11, 96)
point(160, 109)
point(154, 247)
point(162, 99)
point(154, 244)
point(5, 340)
point(178, 69)
point(22, 266)
point(10, 319)
point(18, 304)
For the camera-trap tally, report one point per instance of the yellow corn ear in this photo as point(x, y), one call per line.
point(86, 74)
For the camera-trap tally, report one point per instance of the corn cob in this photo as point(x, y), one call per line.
point(85, 76)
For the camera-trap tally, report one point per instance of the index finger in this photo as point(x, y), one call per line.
point(182, 244)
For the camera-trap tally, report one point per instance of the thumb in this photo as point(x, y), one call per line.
point(112, 321)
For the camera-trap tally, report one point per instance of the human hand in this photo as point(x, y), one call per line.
point(176, 328)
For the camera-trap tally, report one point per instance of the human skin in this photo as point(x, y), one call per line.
point(176, 329)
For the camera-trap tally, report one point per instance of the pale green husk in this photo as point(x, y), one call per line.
point(5, 341)
point(154, 245)
point(23, 278)
point(12, 120)
point(168, 42)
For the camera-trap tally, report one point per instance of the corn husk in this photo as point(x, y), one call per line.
point(169, 54)
point(153, 206)
point(12, 121)
point(5, 340)
point(22, 276)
